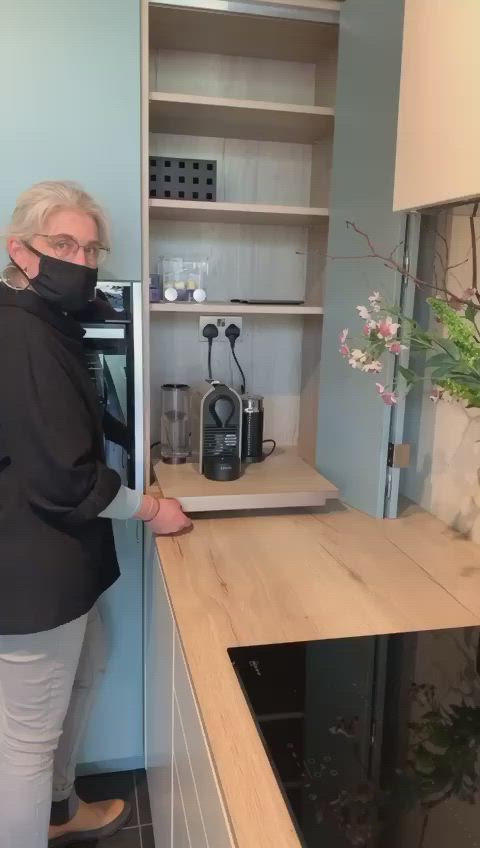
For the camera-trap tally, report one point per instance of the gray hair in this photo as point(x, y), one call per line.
point(36, 204)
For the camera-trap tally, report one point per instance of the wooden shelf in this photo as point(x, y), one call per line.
point(282, 480)
point(226, 308)
point(236, 213)
point(224, 117)
point(204, 31)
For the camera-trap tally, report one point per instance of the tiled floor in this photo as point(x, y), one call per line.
point(130, 786)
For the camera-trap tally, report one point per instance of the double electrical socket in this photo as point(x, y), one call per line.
point(221, 322)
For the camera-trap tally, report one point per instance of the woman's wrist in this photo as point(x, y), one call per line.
point(149, 508)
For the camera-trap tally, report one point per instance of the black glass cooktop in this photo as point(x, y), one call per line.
point(375, 741)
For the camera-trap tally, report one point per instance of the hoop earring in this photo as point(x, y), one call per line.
point(4, 277)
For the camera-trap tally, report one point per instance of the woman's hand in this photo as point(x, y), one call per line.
point(170, 518)
point(163, 515)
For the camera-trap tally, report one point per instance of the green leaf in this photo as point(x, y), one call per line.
point(439, 359)
point(440, 736)
point(442, 373)
point(424, 761)
point(450, 347)
point(409, 375)
point(419, 346)
point(471, 313)
point(468, 382)
point(420, 335)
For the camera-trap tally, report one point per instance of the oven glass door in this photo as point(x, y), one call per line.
point(110, 358)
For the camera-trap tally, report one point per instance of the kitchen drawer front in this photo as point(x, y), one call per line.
point(211, 805)
point(193, 813)
point(180, 833)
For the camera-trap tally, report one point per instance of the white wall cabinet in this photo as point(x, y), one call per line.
point(438, 136)
point(187, 808)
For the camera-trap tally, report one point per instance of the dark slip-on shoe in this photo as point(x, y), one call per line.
point(93, 835)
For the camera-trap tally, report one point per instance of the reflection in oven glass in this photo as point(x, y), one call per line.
point(375, 741)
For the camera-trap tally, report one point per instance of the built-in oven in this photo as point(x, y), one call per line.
point(113, 342)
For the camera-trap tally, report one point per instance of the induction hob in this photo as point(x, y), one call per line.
point(375, 741)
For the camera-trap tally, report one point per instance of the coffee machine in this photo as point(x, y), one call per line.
point(217, 430)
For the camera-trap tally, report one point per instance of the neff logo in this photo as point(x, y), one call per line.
point(256, 667)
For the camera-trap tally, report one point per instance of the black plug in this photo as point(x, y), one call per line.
point(210, 332)
point(232, 333)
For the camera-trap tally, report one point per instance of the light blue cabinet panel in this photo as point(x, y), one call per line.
point(70, 99)
point(353, 423)
point(114, 738)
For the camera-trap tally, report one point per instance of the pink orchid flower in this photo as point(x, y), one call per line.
point(389, 398)
point(357, 358)
point(455, 303)
point(387, 328)
point(436, 395)
point(395, 347)
point(344, 348)
point(367, 330)
point(375, 365)
point(363, 312)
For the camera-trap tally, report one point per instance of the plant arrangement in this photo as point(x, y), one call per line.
point(452, 350)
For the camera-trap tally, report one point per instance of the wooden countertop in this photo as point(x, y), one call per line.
point(262, 578)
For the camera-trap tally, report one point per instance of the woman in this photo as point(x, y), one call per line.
point(57, 497)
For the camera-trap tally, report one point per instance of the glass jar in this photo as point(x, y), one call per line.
point(175, 423)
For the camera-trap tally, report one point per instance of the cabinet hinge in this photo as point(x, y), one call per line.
point(398, 455)
point(388, 486)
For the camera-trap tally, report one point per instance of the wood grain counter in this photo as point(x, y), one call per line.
point(265, 578)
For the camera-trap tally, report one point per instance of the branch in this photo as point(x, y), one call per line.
point(474, 247)
point(439, 256)
point(392, 254)
point(392, 265)
point(440, 236)
point(459, 264)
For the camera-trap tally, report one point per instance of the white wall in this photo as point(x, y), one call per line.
point(445, 438)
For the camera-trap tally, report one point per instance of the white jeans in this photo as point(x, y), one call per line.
point(47, 683)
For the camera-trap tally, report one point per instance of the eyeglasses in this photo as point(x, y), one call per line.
point(66, 247)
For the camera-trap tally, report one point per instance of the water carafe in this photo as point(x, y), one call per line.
point(175, 423)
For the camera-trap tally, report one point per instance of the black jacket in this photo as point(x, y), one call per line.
point(56, 555)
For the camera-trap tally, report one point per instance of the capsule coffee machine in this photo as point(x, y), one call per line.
point(217, 430)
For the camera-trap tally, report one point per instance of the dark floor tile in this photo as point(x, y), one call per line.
point(102, 787)
point(147, 837)
point(144, 810)
point(129, 838)
point(123, 839)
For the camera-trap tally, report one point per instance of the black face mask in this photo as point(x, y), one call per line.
point(66, 285)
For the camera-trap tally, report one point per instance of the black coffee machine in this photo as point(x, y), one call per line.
point(217, 431)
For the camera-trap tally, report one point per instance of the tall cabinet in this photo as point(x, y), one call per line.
point(256, 93)
point(298, 107)
point(70, 95)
